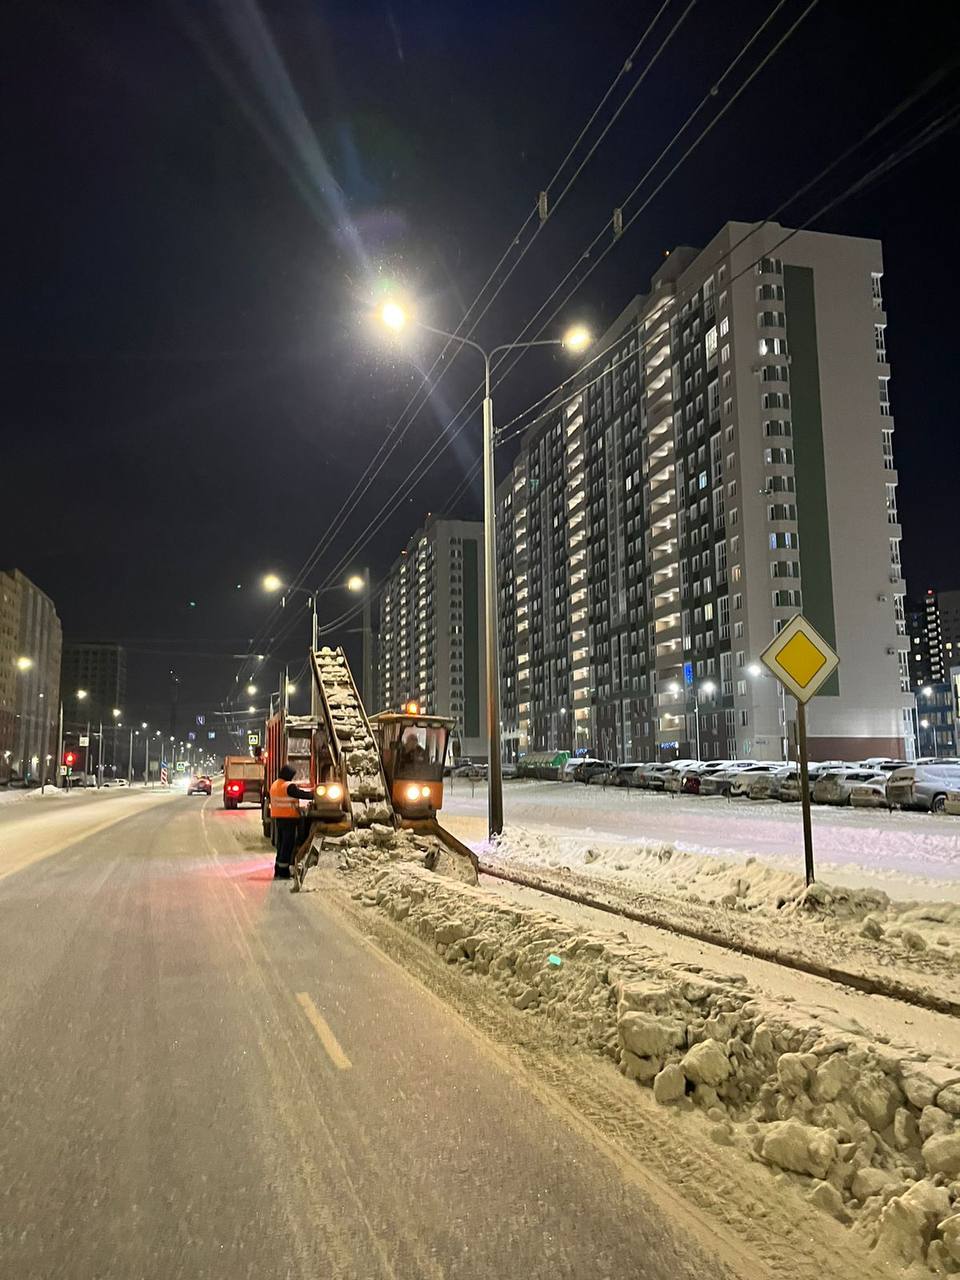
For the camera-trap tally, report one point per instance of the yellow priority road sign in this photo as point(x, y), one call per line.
point(800, 658)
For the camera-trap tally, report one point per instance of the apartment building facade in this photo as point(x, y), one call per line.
point(723, 460)
point(431, 644)
point(101, 670)
point(30, 654)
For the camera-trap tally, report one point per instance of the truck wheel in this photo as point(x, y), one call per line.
point(265, 822)
point(229, 804)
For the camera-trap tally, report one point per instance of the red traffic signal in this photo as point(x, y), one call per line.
point(69, 759)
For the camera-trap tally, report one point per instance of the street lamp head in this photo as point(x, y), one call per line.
point(924, 724)
point(927, 691)
point(393, 316)
point(708, 687)
point(251, 709)
point(144, 725)
point(271, 582)
point(251, 689)
point(117, 713)
point(355, 582)
point(754, 669)
point(24, 663)
point(81, 694)
point(291, 687)
point(578, 338)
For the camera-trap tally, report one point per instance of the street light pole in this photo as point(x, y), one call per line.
point(394, 317)
point(494, 749)
point(60, 746)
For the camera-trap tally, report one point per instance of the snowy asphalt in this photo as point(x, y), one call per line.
point(893, 851)
point(204, 1076)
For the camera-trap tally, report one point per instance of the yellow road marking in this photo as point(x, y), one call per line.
point(322, 1028)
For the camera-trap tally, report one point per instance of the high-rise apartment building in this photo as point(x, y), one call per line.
point(431, 645)
point(30, 644)
point(926, 640)
point(100, 669)
point(723, 461)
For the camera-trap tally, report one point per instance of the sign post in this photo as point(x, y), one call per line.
point(801, 660)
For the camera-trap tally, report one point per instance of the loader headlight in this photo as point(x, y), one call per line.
point(334, 791)
point(425, 792)
point(413, 793)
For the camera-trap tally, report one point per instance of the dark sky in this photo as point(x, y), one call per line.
point(201, 199)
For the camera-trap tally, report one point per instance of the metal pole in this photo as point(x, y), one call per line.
point(784, 738)
point(696, 712)
point(314, 703)
point(130, 762)
point(100, 757)
point(60, 748)
point(494, 773)
point(86, 756)
point(367, 644)
point(805, 792)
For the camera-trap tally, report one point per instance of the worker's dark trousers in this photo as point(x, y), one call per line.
point(288, 830)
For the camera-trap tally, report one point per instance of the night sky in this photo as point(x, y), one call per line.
point(202, 199)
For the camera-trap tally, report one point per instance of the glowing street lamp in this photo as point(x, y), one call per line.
point(24, 663)
point(396, 317)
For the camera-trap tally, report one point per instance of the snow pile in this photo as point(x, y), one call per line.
point(869, 1136)
point(749, 887)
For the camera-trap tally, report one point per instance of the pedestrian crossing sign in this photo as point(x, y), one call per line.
point(800, 658)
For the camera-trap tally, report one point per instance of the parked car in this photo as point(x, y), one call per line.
point(674, 771)
point(625, 775)
point(199, 784)
point(719, 782)
point(767, 784)
point(741, 784)
point(470, 771)
point(871, 794)
point(835, 786)
point(603, 777)
point(923, 786)
point(586, 768)
point(786, 783)
point(508, 770)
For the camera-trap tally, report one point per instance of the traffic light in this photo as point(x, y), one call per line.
point(69, 759)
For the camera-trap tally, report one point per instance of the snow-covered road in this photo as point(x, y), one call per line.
point(909, 855)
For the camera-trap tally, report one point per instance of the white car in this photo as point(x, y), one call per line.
point(923, 786)
point(673, 772)
point(717, 782)
point(836, 785)
point(780, 783)
point(871, 794)
point(744, 780)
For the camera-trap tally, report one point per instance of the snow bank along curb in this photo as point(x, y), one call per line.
point(871, 1137)
point(921, 936)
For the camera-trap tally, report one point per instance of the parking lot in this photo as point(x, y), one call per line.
point(910, 855)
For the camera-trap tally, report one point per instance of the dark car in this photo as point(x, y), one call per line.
point(200, 784)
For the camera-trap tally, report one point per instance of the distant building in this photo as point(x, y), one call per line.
point(431, 645)
point(936, 719)
point(724, 461)
point(100, 669)
point(30, 651)
point(927, 665)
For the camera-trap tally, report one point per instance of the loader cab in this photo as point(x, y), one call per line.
point(413, 749)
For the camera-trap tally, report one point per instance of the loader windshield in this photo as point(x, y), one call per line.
point(418, 751)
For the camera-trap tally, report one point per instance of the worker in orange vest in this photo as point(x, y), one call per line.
point(285, 812)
